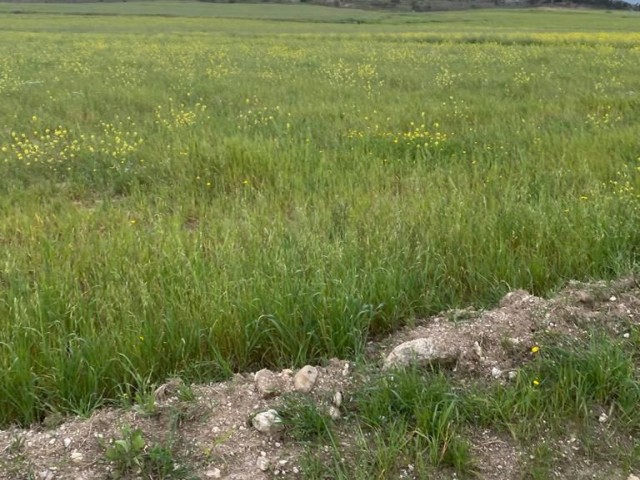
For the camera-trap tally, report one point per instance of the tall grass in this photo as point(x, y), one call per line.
point(204, 204)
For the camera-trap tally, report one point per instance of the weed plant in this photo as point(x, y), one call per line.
point(426, 418)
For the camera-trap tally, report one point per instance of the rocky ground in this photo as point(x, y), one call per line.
point(233, 429)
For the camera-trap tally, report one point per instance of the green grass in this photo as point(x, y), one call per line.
point(196, 204)
point(426, 418)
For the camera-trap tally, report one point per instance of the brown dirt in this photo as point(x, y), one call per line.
point(213, 436)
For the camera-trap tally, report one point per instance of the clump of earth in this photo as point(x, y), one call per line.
point(233, 429)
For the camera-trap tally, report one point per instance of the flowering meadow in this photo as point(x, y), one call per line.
point(199, 196)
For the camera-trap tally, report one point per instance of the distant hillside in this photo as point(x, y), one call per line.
point(436, 5)
point(406, 5)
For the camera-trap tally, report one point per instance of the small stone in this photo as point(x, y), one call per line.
point(213, 473)
point(263, 463)
point(603, 417)
point(267, 383)
point(477, 349)
point(334, 412)
point(420, 351)
point(337, 399)
point(295, 470)
point(305, 379)
point(76, 456)
point(346, 369)
point(625, 335)
point(46, 475)
point(166, 390)
point(496, 372)
point(633, 477)
point(512, 375)
point(584, 297)
point(612, 298)
point(66, 442)
point(267, 422)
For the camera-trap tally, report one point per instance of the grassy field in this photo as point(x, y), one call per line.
point(219, 196)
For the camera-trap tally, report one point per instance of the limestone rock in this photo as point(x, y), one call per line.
point(76, 456)
point(421, 351)
point(337, 399)
point(263, 463)
point(267, 383)
point(267, 422)
point(305, 379)
point(334, 412)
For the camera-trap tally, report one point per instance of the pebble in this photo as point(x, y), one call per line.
point(496, 372)
point(337, 399)
point(305, 379)
point(334, 412)
point(267, 422)
point(603, 417)
point(263, 463)
point(66, 442)
point(46, 475)
point(267, 383)
point(213, 473)
point(76, 456)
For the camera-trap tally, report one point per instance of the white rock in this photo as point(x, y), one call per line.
point(512, 375)
point(66, 442)
point(263, 463)
point(419, 351)
point(626, 335)
point(633, 477)
point(213, 473)
point(337, 399)
point(496, 372)
point(346, 369)
point(334, 412)
point(612, 298)
point(76, 456)
point(46, 475)
point(477, 349)
point(295, 470)
point(603, 417)
point(267, 383)
point(305, 379)
point(267, 422)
